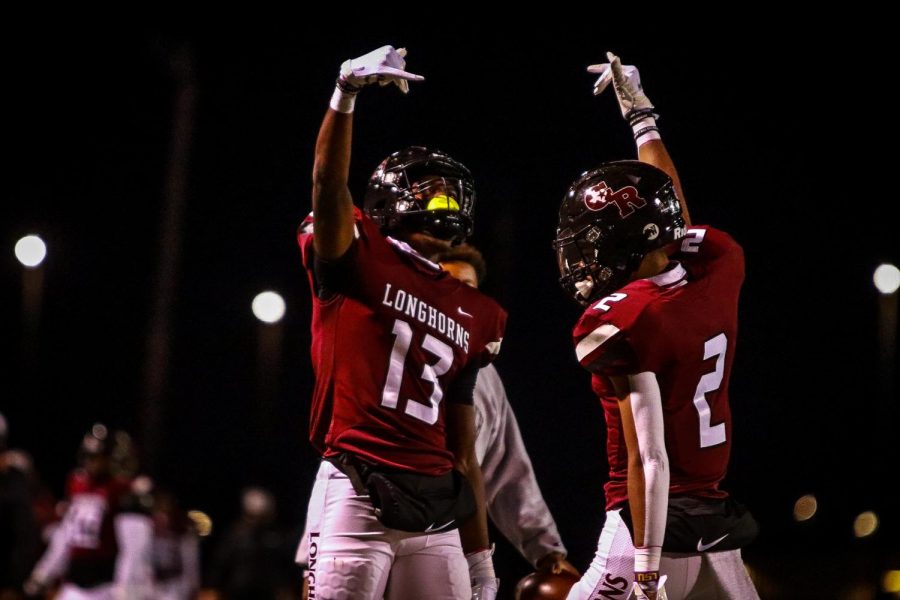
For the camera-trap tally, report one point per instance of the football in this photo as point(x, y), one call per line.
point(545, 586)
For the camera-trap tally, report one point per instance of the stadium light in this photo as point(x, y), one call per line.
point(31, 251)
point(268, 307)
point(865, 524)
point(886, 278)
point(805, 508)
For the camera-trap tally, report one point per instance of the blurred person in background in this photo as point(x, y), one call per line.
point(254, 559)
point(101, 549)
point(176, 560)
point(19, 533)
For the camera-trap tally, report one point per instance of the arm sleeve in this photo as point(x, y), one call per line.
point(514, 500)
point(646, 405)
point(334, 276)
point(462, 391)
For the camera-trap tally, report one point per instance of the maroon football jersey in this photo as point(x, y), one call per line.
point(682, 326)
point(92, 509)
point(387, 347)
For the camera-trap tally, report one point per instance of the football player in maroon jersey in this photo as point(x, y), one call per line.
point(102, 547)
point(514, 500)
point(398, 511)
point(658, 336)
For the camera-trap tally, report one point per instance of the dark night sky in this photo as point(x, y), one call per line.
point(775, 142)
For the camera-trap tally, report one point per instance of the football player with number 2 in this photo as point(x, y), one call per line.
point(658, 336)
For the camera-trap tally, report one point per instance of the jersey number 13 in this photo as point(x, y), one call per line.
point(430, 372)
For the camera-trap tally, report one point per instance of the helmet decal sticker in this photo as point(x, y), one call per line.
point(626, 199)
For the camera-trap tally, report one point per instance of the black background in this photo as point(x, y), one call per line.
point(776, 129)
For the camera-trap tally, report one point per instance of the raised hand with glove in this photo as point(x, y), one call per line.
point(633, 102)
point(385, 65)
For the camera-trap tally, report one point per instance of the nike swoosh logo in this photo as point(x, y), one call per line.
point(433, 528)
point(462, 312)
point(701, 547)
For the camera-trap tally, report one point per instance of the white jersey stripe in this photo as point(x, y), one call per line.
point(594, 339)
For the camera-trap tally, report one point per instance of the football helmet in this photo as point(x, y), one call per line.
point(95, 442)
point(422, 190)
point(610, 218)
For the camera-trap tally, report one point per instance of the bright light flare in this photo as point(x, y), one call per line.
point(31, 251)
point(805, 508)
point(268, 307)
point(886, 278)
point(865, 524)
point(201, 521)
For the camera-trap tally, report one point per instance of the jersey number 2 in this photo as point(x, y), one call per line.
point(710, 382)
point(431, 372)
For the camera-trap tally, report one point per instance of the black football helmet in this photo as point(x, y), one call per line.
point(95, 442)
point(610, 218)
point(422, 190)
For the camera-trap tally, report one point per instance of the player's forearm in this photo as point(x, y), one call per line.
point(332, 204)
point(637, 496)
point(460, 427)
point(473, 534)
point(655, 153)
point(648, 491)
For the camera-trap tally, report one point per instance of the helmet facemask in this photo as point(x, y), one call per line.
point(420, 191)
point(591, 267)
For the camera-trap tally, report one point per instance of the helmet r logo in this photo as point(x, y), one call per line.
point(601, 195)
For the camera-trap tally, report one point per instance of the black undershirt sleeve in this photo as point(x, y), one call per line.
point(462, 390)
point(333, 277)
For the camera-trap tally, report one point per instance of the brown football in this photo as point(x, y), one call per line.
point(545, 586)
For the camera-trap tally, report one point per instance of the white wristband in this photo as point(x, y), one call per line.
point(644, 131)
point(647, 559)
point(342, 101)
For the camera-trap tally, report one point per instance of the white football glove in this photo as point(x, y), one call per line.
point(651, 590)
point(485, 584)
point(633, 102)
point(485, 588)
point(626, 81)
point(384, 65)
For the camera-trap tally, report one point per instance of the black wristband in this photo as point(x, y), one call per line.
point(634, 116)
point(347, 87)
point(645, 130)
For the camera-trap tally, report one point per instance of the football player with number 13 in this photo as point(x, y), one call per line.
point(397, 509)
